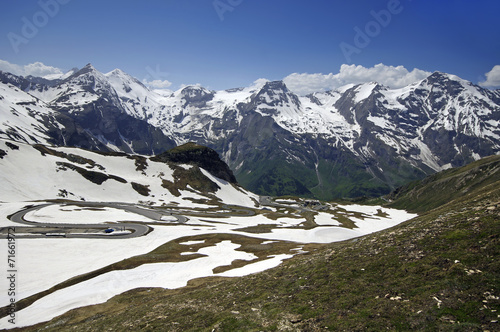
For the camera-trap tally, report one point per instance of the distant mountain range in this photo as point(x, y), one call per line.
point(364, 139)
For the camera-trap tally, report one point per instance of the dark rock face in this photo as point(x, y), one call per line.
point(201, 156)
point(101, 122)
point(196, 96)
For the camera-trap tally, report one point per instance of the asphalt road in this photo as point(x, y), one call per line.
point(36, 230)
point(73, 230)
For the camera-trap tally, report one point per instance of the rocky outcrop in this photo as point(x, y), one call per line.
point(198, 155)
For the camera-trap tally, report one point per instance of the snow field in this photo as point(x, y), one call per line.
point(105, 286)
point(43, 263)
point(27, 175)
point(49, 261)
point(72, 214)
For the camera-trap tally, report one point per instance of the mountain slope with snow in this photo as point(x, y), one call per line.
point(38, 172)
point(93, 225)
point(363, 139)
point(88, 111)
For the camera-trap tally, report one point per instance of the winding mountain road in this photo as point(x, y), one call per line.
point(43, 230)
point(121, 230)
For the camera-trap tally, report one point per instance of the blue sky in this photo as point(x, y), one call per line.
point(222, 44)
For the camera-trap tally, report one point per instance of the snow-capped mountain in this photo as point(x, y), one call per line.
point(361, 139)
point(83, 110)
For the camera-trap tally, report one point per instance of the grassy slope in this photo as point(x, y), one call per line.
point(439, 271)
point(443, 187)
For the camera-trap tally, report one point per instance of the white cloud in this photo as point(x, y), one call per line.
point(37, 69)
point(394, 77)
point(40, 70)
point(258, 83)
point(303, 84)
point(182, 86)
point(492, 78)
point(8, 67)
point(158, 84)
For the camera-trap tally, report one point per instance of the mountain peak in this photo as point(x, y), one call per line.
point(123, 81)
point(121, 75)
point(274, 88)
point(117, 72)
point(452, 84)
point(88, 69)
point(196, 95)
point(438, 76)
point(275, 93)
point(190, 88)
point(275, 85)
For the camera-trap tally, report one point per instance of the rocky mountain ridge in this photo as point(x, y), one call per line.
point(364, 139)
point(197, 155)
